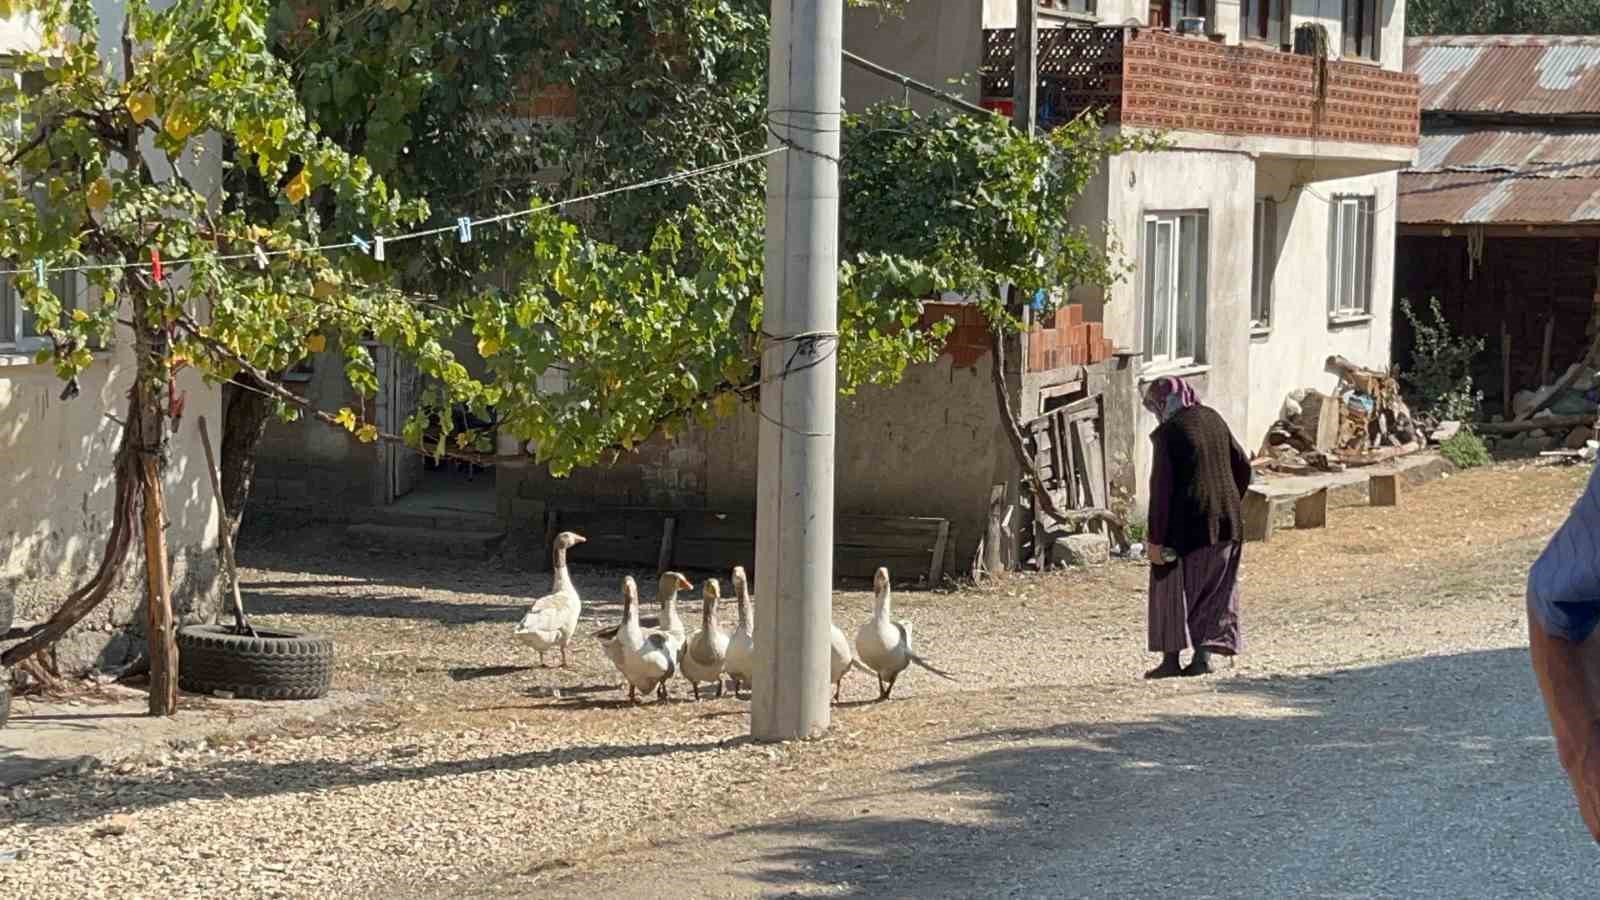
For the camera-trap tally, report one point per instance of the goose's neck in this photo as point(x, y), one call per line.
point(708, 619)
point(630, 617)
point(560, 579)
point(882, 609)
point(744, 612)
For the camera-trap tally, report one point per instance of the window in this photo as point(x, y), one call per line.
point(19, 329)
point(1263, 263)
point(1350, 257)
point(1071, 6)
point(1167, 13)
point(1174, 286)
point(1262, 20)
point(1361, 29)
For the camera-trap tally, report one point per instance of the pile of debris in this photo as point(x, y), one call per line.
point(1361, 423)
point(1557, 416)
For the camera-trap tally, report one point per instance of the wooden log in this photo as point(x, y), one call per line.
point(1311, 511)
point(225, 539)
point(1258, 524)
point(1550, 423)
point(1384, 490)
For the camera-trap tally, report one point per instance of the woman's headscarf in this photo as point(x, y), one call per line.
point(1167, 395)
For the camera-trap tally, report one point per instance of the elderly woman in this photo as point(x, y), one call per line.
point(1198, 477)
point(1563, 610)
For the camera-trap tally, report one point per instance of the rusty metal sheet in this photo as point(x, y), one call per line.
point(1529, 152)
point(1508, 74)
point(1496, 198)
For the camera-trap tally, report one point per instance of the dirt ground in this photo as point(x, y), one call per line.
point(1380, 735)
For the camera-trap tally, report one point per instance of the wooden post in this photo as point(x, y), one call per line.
point(1384, 490)
point(1258, 524)
point(223, 537)
point(1311, 511)
point(158, 596)
point(1505, 368)
point(669, 530)
point(936, 566)
point(1544, 352)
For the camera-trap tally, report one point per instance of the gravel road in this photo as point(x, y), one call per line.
point(1381, 737)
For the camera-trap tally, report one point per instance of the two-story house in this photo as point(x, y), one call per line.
point(1261, 240)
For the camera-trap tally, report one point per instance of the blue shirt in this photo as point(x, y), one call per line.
point(1564, 583)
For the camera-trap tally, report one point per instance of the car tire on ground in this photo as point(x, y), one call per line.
point(272, 665)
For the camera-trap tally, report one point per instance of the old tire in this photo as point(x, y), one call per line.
point(273, 665)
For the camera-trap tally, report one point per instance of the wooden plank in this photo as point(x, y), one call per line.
point(664, 558)
point(1311, 511)
point(1384, 490)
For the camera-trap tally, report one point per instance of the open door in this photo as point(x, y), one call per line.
point(399, 468)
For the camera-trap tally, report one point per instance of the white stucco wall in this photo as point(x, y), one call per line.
point(1293, 354)
point(56, 464)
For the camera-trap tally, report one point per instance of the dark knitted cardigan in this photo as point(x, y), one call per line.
point(1199, 475)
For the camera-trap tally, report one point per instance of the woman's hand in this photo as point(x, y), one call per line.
point(1156, 554)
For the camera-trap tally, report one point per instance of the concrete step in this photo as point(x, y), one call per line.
point(455, 542)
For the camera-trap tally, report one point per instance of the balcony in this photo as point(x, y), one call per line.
point(1216, 96)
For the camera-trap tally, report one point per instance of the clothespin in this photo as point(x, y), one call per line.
point(261, 258)
point(38, 272)
point(155, 265)
point(377, 248)
point(359, 241)
point(464, 229)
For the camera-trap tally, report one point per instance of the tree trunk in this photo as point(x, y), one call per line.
point(152, 393)
point(244, 422)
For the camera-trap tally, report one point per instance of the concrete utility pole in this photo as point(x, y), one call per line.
point(794, 499)
point(1025, 75)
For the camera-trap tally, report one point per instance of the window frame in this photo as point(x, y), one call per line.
point(1263, 263)
point(1341, 281)
point(1195, 280)
point(1262, 21)
point(70, 287)
point(1362, 32)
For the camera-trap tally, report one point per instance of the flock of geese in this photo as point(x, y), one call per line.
point(650, 652)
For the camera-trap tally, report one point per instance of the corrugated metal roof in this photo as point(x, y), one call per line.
point(1489, 198)
point(1530, 152)
point(1546, 75)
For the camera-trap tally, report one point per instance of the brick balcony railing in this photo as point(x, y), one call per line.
point(1152, 78)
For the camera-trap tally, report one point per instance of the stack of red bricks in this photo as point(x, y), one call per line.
point(969, 340)
point(1065, 339)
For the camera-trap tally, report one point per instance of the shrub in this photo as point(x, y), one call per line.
point(1440, 376)
point(1465, 450)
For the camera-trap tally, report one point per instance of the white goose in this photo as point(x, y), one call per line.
point(552, 620)
point(841, 660)
point(667, 589)
point(884, 645)
point(648, 660)
point(740, 660)
point(707, 651)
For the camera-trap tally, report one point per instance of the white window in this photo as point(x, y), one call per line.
point(1262, 20)
point(1350, 256)
point(1361, 29)
point(1263, 263)
point(19, 329)
point(1174, 286)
